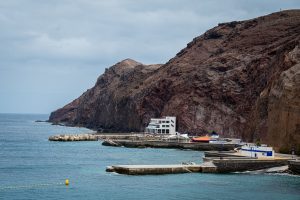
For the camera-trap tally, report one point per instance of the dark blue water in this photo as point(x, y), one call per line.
point(31, 167)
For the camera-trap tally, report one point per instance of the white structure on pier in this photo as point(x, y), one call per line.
point(255, 151)
point(165, 125)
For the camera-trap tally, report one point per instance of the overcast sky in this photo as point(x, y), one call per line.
point(52, 51)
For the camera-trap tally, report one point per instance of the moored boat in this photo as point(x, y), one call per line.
point(255, 151)
point(204, 139)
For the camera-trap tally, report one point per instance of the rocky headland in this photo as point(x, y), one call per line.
point(241, 79)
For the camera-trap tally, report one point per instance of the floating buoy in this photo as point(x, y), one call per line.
point(67, 182)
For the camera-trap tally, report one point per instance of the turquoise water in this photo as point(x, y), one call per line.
point(31, 167)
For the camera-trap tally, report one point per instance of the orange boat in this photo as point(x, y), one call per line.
point(201, 139)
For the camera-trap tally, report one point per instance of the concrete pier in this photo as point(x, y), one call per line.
point(212, 166)
point(170, 144)
point(158, 169)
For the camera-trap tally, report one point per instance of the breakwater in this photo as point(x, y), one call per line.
point(212, 166)
point(153, 169)
point(96, 136)
point(72, 138)
point(170, 144)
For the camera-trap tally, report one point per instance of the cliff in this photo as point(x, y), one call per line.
point(240, 79)
point(110, 105)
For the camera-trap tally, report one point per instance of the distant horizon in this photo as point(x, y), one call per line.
point(25, 113)
point(1, 113)
point(53, 52)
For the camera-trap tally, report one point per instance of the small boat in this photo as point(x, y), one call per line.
point(205, 139)
point(253, 150)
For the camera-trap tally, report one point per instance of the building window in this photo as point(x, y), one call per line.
point(167, 126)
point(167, 121)
point(159, 130)
point(163, 131)
point(163, 125)
point(167, 131)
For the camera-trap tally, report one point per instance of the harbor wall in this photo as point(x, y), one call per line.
point(214, 166)
point(234, 165)
point(171, 144)
point(158, 169)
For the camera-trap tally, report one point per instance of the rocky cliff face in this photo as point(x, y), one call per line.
point(239, 79)
point(283, 118)
point(110, 105)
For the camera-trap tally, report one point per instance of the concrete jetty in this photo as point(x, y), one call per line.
point(170, 144)
point(158, 169)
point(213, 166)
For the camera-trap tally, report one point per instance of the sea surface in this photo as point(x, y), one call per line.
point(31, 167)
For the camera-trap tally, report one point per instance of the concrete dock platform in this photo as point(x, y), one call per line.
point(159, 169)
point(213, 166)
point(154, 169)
point(170, 144)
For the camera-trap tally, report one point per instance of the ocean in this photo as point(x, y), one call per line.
point(31, 167)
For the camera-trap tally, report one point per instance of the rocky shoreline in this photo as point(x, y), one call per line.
point(72, 138)
point(97, 136)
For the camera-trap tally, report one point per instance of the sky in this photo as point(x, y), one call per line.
point(52, 51)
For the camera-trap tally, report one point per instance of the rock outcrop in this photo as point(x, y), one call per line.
point(73, 138)
point(240, 79)
point(110, 105)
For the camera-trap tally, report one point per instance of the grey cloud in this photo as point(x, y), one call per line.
point(68, 40)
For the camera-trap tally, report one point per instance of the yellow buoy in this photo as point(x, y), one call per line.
point(67, 182)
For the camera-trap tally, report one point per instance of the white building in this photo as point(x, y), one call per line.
point(165, 125)
point(254, 151)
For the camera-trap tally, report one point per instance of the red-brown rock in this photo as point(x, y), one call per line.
point(240, 79)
